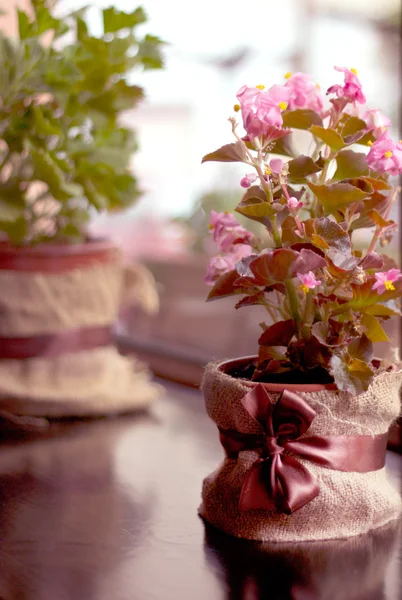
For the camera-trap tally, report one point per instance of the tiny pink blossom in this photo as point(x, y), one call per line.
point(276, 166)
point(294, 204)
point(227, 231)
point(385, 280)
point(262, 110)
point(219, 265)
point(308, 281)
point(247, 180)
point(351, 90)
point(376, 122)
point(385, 156)
point(304, 93)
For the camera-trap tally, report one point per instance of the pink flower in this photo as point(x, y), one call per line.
point(304, 93)
point(276, 166)
point(308, 281)
point(385, 155)
point(294, 204)
point(219, 265)
point(227, 231)
point(247, 180)
point(352, 88)
point(262, 109)
point(376, 122)
point(385, 280)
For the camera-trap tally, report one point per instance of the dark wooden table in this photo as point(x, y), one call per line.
point(107, 510)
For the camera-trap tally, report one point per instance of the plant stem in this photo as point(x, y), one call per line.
point(275, 232)
point(308, 316)
point(4, 159)
point(293, 301)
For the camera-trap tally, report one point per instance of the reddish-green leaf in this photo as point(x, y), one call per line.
point(228, 153)
point(258, 298)
point(255, 206)
point(284, 146)
point(301, 167)
point(301, 119)
point(353, 125)
point(350, 164)
point(337, 195)
point(224, 286)
point(278, 334)
point(284, 263)
point(351, 375)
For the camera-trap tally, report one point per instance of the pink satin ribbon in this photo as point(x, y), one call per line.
point(278, 480)
point(55, 344)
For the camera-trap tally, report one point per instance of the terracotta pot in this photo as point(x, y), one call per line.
point(257, 493)
point(53, 258)
point(57, 309)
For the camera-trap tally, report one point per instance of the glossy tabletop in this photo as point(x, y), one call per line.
point(107, 510)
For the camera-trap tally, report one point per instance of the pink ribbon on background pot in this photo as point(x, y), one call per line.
point(278, 480)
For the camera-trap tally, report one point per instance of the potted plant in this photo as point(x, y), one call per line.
point(304, 424)
point(64, 155)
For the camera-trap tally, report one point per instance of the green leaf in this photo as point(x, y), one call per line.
point(224, 286)
point(229, 153)
point(350, 164)
point(45, 22)
point(374, 331)
point(126, 96)
point(43, 125)
point(25, 27)
point(301, 167)
point(278, 334)
point(149, 52)
point(116, 20)
point(382, 310)
point(301, 119)
point(337, 195)
point(16, 231)
point(9, 213)
point(329, 136)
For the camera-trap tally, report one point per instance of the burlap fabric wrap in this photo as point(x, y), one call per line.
point(86, 382)
point(348, 504)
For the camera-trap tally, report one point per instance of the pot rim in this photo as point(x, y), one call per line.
point(56, 258)
point(90, 246)
point(275, 387)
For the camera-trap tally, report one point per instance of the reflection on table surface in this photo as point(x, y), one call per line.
point(107, 509)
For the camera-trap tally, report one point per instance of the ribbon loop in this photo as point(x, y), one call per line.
point(278, 480)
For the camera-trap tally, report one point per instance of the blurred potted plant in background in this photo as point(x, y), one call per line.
point(296, 420)
point(63, 156)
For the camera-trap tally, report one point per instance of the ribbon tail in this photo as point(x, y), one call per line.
point(280, 483)
point(298, 485)
point(255, 493)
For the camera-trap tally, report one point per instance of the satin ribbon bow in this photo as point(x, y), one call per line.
point(278, 480)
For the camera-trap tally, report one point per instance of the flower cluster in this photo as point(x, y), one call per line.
point(326, 299)
point(233, 241)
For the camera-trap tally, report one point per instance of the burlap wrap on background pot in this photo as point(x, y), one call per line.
point(86, 382)
point(348, 503)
